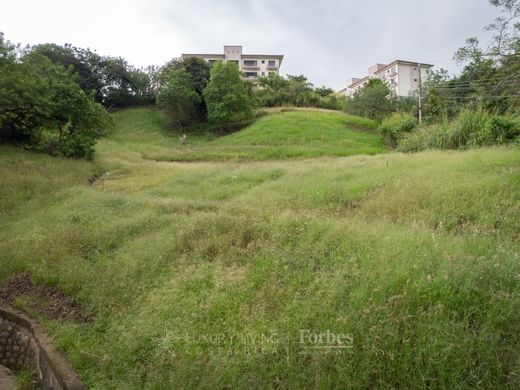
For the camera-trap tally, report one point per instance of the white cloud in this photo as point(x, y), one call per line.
point(328, 41)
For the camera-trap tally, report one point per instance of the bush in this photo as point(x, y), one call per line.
point(374, 101)
point(468, 129)
point(395, 126)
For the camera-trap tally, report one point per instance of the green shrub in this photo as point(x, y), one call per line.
point(468, 129)
point(397, 124)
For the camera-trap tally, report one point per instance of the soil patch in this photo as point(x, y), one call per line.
point(45, 300)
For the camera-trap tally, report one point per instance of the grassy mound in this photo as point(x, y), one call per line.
point(298, 134)
point(208, 274)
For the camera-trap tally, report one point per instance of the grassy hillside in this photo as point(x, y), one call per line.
point(205, 274)
point(295, 134)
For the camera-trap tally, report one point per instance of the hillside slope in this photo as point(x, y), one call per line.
point(298, 134)
point(206, 274)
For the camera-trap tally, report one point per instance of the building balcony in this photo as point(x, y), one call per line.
point(250, 67)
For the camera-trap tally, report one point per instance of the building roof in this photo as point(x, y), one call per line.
point(360, 81)
point(388, 67)
point(203, 55)
point(280, 56)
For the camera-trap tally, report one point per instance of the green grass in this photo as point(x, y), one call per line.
point(285, 135)
point(416, 256)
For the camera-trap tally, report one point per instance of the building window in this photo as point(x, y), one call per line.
point(250, 63)
point(271, 64)
point(211, 62)
point(272, 73)
point(415, 80)
point(263, 74)
point(263, 61)
point(250, 75)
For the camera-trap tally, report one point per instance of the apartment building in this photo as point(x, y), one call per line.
point(402, 77)
point(252, 66)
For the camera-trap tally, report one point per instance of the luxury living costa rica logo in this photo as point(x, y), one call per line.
point(325, 342)
point(305, 341)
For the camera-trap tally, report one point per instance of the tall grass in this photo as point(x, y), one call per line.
point(415, 256)
point(468, 129)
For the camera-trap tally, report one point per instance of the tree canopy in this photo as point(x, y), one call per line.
point(44, 108)
point(178, 96)
point(374, 101)
point(226, 95)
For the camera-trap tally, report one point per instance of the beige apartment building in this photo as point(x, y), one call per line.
point(252, 66)
point(403, 77)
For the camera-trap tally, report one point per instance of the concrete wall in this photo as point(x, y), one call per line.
point(264, 66)
point(409, 79)
point(23, 345)
point(233, 53)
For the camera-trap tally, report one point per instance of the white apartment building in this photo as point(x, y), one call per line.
point(252, 66)
point(402, 77)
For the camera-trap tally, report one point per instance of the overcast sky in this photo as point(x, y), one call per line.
point(329, 41)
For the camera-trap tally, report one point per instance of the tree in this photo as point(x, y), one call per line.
point(490, 77)
point(111, 80)
point(226, 95)
point(178, 96)
point(374, 101)
point(198, 70)
point(42, 106)
point(83, 63)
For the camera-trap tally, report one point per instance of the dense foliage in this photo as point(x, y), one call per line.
point(491, 75)
point(178, 96)
point(111, 80)
point(43, 107)
point(297, 91)
point(198, 72)
point(469, 129)
point(374, 101)
point(395, 126)
point(226, 95)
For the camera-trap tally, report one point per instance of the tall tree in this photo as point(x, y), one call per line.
point(199, 71)
point(178, 96)
point(226, 96)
